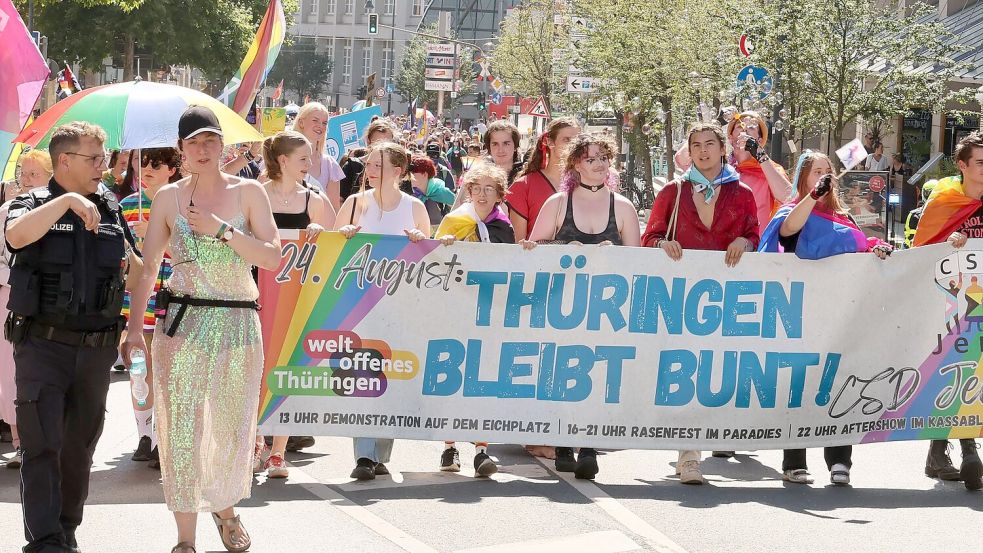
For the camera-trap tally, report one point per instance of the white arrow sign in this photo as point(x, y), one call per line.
point(580, 85)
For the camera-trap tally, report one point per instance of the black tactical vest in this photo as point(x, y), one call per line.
point(71, 278)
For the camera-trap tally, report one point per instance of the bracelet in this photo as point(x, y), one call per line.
point(659, 243)
point(221, 231)
point(248, 155)
point(762, 157)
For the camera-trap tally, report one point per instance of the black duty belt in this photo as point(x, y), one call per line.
point(185, 301)
point(78, 338)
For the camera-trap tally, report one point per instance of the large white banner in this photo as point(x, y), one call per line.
point(619, 347)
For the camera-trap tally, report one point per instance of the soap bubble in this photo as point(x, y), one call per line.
point(779, 126)
point(779, 97)
point(647, 129)
point(783, 113)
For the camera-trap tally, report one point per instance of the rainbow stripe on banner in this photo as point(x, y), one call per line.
point(262, 53)
point(292, 311)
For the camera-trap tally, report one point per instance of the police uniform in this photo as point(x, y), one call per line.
point(65, 324)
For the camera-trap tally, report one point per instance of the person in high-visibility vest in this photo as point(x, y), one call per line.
point(911, 222)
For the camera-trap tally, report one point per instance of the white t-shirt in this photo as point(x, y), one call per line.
point(330, 171)
point(871, 164)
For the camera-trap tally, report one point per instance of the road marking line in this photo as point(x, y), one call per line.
point(608, 541)
point(621, 514)
point(358, 513)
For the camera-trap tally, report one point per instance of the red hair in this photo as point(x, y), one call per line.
point(423, 164)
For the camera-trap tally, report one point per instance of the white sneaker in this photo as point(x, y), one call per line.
point(839, 474)
point(15, 461)
point(689, 472)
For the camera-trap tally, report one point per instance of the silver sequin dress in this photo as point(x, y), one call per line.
point(207, 377)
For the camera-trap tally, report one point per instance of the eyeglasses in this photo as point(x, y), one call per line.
point(483, 190)
point(601, 159)
point(97, 160)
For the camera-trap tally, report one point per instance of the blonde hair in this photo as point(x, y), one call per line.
point(38, 156)
point(308, 109)
point(485, 170)
point(282, 143)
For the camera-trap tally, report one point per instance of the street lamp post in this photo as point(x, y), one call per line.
point(979, 100)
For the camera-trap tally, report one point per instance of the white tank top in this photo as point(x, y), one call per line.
point(376, 221)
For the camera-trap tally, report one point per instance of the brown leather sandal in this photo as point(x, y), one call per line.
point(183, 547)
point(233, 534)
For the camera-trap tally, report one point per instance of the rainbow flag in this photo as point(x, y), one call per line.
point(947, 209)
point(262, 53)
point(24, 73)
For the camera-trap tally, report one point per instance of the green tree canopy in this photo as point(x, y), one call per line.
point(212, 35)
point(302, 67)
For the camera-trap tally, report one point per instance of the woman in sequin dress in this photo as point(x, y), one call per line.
point(209, 362)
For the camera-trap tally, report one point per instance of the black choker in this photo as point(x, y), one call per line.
point(593, 188)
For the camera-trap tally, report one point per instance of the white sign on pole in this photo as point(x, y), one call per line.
point(439, 73)
point(440, 49)
point(446, 86)
point(440, 61)
point(580, 85)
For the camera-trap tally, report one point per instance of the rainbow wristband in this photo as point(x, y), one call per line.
point(221, 231)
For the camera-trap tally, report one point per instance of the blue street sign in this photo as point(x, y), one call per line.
point(495, 98)
point(390, 88)
point(756, 76)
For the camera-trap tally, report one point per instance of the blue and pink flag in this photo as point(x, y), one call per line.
point(24, 73)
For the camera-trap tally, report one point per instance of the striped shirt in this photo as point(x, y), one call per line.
point(131, 212)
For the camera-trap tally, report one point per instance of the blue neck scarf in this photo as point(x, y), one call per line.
point(702, 184)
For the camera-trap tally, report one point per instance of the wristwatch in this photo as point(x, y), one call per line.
point(248, 155)
point(763, 157)
point(228, 234)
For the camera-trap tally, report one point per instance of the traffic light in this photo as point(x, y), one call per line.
point(480, 102)
point(373, 23)
point(360, 92)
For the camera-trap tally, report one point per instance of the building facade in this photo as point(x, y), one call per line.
point(340, 29)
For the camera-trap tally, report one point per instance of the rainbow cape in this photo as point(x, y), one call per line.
point(262, 53)
point(947, 209)
point(823, 235)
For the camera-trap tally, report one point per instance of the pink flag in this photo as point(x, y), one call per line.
point(852, 153)
point(23, 68)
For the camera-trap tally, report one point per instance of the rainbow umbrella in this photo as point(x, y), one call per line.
point(135, 114)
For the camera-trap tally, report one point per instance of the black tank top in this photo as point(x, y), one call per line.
point(294, 220)
point(569, 232)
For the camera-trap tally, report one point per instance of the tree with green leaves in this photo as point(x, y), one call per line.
point(524, 57)
point(660, 60)
point(412, 70)
point(212, 35)
point(302, 67)
point(847, 59)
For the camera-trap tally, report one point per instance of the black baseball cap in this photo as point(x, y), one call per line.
point(433, 150)
point(196, 120)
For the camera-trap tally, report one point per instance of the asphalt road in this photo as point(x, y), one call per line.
point(636, 504)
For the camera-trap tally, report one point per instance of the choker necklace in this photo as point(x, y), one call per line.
point(592, 188)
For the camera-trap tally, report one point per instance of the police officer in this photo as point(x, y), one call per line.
point(71, 247)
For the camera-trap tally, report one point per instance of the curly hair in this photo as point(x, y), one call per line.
point(577, 151)
point(485, 170)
